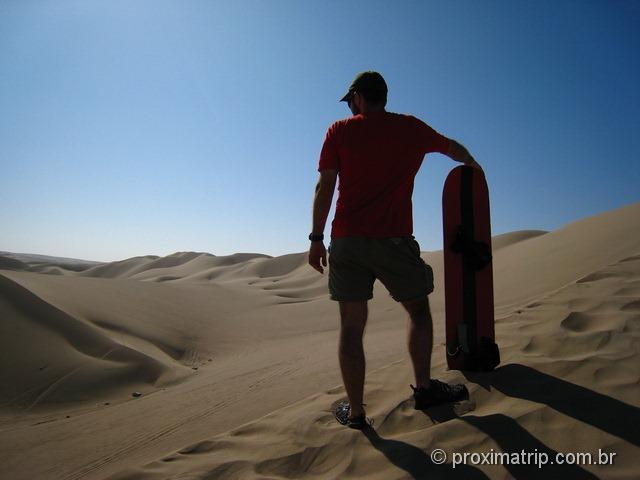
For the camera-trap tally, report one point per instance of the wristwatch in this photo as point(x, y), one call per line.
point(316, 238)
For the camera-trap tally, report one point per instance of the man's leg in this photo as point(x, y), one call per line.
point(353, 318)
point(420, 339)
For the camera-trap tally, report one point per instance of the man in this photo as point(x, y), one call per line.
point(377, 155)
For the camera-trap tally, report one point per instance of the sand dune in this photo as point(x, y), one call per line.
point(123, 268)
point(235, 360)
point(8, 263)
point(507, 239)
point(43, 263)
point(58, 358)
point(568, 383)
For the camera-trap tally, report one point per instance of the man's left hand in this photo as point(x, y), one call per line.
point(318, 256)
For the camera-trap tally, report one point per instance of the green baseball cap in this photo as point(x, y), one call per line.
point(369, 81)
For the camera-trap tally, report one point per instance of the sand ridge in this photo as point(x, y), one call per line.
point(235, 360)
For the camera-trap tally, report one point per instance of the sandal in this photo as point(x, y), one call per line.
point(341, 413)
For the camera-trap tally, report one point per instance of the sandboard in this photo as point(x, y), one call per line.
point(468, 272)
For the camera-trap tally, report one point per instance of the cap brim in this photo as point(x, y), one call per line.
point(346, 97)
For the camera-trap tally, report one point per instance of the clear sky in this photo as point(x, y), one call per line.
point(148, 127)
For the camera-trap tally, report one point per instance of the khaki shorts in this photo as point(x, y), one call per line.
point(356, 262)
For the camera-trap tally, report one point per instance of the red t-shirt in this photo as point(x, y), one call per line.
point(377, 156)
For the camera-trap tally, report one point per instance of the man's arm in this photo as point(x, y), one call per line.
point(460, 154)
point(321, 206)
point(322, 200)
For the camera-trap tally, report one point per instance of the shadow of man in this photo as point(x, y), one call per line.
point(519, 381)
point(603, 412)
point(527, 456)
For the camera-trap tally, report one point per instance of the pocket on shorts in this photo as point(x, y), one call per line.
point(429, 277)
point(413, 244)
point(407, 245)
point(402, 270)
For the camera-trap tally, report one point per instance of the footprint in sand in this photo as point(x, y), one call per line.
point(581, 322)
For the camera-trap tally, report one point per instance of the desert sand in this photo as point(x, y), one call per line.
point(195, 366)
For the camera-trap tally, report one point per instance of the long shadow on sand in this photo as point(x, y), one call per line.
point(603, 412)
point(519, 381)
point(416, 462)
point(515, 441)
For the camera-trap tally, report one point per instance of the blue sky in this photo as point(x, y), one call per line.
point(138, 127)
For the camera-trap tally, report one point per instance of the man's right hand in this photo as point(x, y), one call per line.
point(473, 163)
point(460, 154)
point(318, 256)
